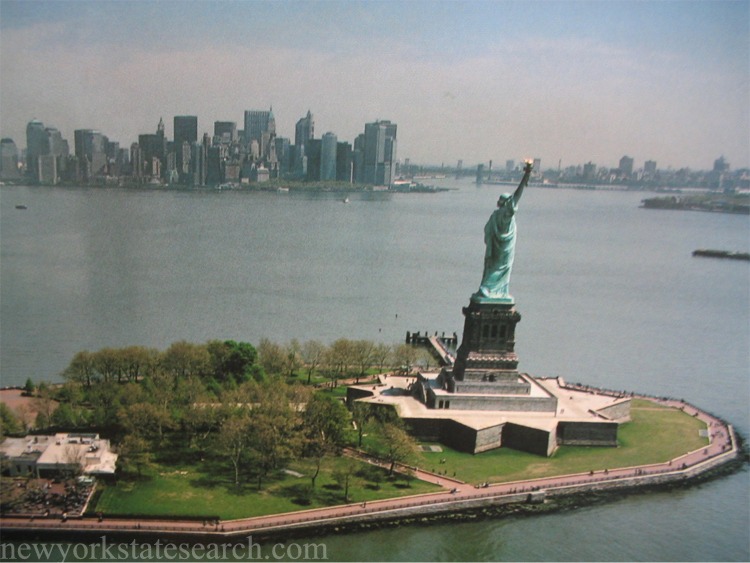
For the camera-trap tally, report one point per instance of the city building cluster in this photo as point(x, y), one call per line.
point(256, 154)
point(626, 175)
point(229, 156)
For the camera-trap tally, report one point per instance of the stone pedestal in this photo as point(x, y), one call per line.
point(486, 357)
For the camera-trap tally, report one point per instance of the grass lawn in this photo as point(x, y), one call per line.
point(204, 489)
point(655, 434)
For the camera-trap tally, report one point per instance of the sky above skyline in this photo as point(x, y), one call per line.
point(558, 80)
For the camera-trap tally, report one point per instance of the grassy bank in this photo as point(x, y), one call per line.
point(203, 490)
point(656, 434)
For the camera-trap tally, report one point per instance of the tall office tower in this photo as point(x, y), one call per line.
point(47, 170)
point(198, 158)
point(185, 131)
point(589, 171)
point(154, 148)
point(379, 153)
point(314, 148)
point(344, 170)
point(260, 126)
point(650, 167)
point(8, 160)
point(58, 149)
point(136, 161)
point(304, 131)
point(90, 151)
point(721, 165)
point(537, 167)
point(283, 154)
point(626, 166)
point(328, 156)
point(358, 158)
point(510, 165)
point(57, 145)
point(226, 131)
point(36, 145)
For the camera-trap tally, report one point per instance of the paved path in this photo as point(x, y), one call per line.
point(721, 443)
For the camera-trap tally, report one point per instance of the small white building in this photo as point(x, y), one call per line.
point(51, 456)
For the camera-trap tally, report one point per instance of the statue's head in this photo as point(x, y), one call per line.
point(503, 199)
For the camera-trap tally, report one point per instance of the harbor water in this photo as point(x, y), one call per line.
point(610, 295)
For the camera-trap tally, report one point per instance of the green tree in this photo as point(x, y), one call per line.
point(344, 473)
point(271, 356)
point(81, 369)
point(381, 354)
point(146, 420)
point(273, 429)
point(105, 402)
point(325, 420)
point(134, 453)
point(361, 415)
point(138, 362)
point(362, 351)
point(292, 358)
point(108, 362)
point(183, 359)
point(44, 405)
point(232, 360)
point(338, 359)
point(29, 387)
point(68, 417)
point(313, 352)
point(399, 447)
point(9, 423)
point(232, 441)
point(405, 355)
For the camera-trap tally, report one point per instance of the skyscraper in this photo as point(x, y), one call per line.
point(185, 134)
point(90, 147)
point(36, 146)
point(8, 159)
point(379, 153)
point(328, 157)
point(226, 131)
point(304, 131)
point(626, 166)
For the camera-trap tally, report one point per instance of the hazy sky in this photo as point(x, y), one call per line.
point(577, 81)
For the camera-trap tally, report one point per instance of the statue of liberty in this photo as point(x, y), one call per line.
point(500, 238)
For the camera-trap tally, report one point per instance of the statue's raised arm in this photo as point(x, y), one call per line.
point(529, 166)
point(500, 241)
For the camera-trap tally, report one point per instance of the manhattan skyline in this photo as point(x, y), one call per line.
point(569, 81)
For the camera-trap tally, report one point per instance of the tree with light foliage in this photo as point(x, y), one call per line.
point(399, 446)
point(325, 420)
point(233, 440)
point(313, 353)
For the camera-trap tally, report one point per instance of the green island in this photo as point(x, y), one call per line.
point(218, 431)
point(656, 434)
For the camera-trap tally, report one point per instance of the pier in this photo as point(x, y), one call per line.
point(440, 346)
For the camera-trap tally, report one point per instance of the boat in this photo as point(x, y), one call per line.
point(282, 189)
point(345, 200)
point(21, 207)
